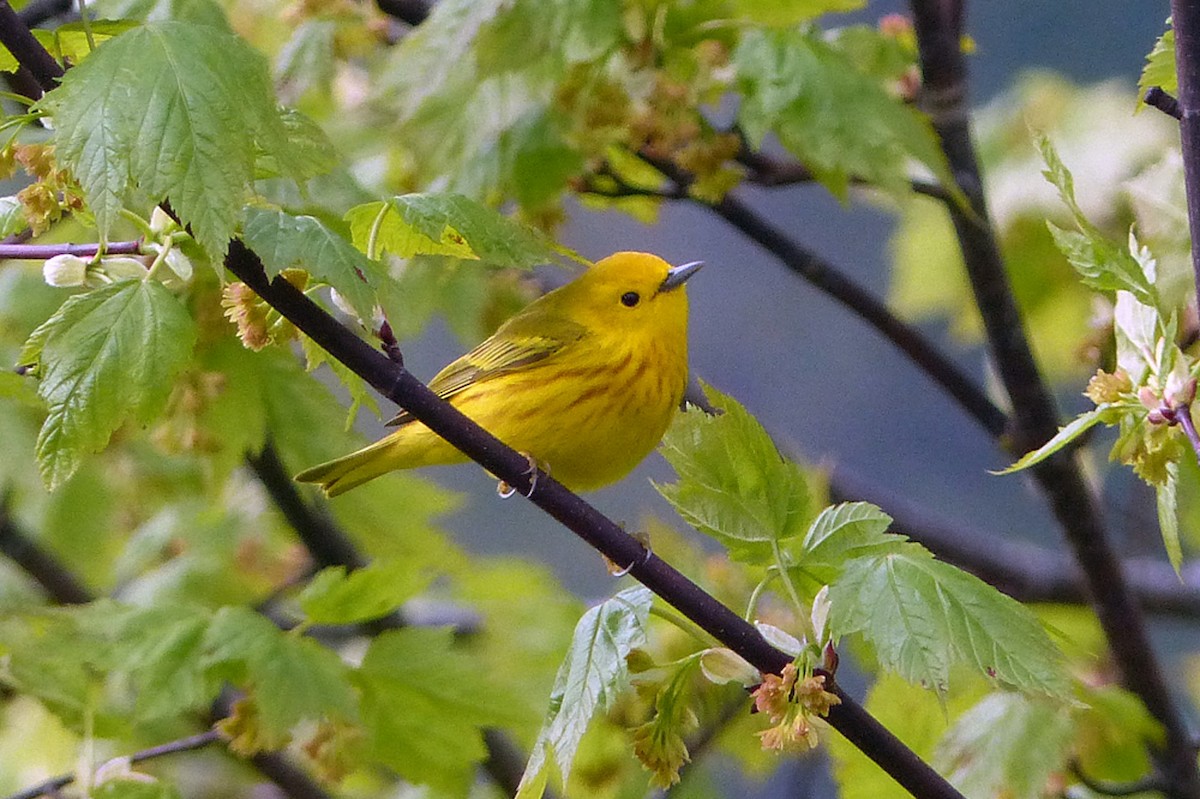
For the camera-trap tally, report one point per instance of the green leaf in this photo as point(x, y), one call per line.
point(850, 527)
point(104, 358)
point(284, 241)
point(423, 704)
point(589, 680)
point(1168, 514)
point(922, 617)
point(794, 85)
point(176, 111)
point(12, 215)
point(1007, 745)
point(1065, 435)
point(1102, 265)
point(337, 597)
point(448, 224)
point(1160, 66)
point(291, 679)
point(163, 648)
point(733, 483)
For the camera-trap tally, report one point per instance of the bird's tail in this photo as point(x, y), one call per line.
point(349, 471)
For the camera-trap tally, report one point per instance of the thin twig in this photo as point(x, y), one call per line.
point(201, 740)
point(938, 27)
point(40, 252)
point(1155, 97)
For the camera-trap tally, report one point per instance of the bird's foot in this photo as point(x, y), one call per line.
point(620, 571)
point(504, 490)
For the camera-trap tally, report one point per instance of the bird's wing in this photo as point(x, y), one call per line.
point(518, 343)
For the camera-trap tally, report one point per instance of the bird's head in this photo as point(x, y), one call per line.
point(630, 292)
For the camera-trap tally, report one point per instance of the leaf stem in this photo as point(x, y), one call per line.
point(87, 26)
point(376, 226)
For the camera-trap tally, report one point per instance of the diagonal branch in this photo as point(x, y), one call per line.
point(59, 582)
point(938, 25)
point(397, 384)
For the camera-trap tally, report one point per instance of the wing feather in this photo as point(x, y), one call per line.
point(523, 340)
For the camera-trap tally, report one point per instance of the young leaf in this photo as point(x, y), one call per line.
point(1065, 435)
point(1007, 745)
point(795, 84)
point(1100, 264)
point(449, 224)
point(922, 616)
point(733, 483)
point(1160, 66)
point(588, 681)
point(849, 527)
point(283, 241)
point(335, 597)
point(173, 110)
point(1168, 514)
point(423, 704)
point(103, 358)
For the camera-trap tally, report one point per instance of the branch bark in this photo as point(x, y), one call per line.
point(938, 25)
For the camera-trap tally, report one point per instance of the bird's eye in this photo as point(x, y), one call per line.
point(630, 299)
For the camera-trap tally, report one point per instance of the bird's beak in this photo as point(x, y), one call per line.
point(678, 275)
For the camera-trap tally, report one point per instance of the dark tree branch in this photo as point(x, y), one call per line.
point(59, 583)
point(15, 35)
point(1155, 97)
point(395, 383)
point(938, 25)
point(40, 252)
point(1185, 18)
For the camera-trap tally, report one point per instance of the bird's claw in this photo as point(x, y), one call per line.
point(618, 571)
point(504, 490)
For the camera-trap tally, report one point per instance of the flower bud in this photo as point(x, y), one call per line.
point(722, 666)
point(65, 271)
point(120, 268)
point(1180, 389)
point(779, 639)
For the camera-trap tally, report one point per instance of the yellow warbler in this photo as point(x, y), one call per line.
point(584, 380)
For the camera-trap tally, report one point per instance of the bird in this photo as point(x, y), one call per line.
point(584, 381)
